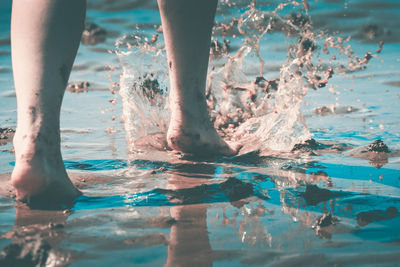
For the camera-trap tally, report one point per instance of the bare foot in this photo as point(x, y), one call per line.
point(39, 176)
point(197, 137)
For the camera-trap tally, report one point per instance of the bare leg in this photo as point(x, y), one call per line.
point(187, 26)
point(45, 37)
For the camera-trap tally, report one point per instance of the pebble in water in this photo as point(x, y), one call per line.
point(323, 225)
point(325, 220)
point(93, 34)
point(78, 87)
point(378, 146)
point(367, 217)
point(6, 135)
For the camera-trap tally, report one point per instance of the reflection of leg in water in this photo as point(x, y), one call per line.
point(188, 244)
point(44, 38)
point(187, 26)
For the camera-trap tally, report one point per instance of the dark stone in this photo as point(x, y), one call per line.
point(93, 34)
point(308, 45)
point(314, 195)
point(260, 80)
point(367, 217)
point(325, 220)
point(368, 56)
point(307, 146)
point(150, 86)
point(298, 19)
point(378, 146)
point(267, 86)
point(78, 87)
point(31, 252)
point(371, 31)
point(218, 49)
point(235, 189)
point(6, 135)
point(323, 111)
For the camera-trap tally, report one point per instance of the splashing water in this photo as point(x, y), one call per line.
point(143, 86)
point(263, 115)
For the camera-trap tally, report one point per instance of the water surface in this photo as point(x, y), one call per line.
point(155, 208)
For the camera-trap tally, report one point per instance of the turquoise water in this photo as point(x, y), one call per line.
point(156, 209)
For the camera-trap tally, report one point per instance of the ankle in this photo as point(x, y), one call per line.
point(192, 116)
point(190, 108)
point(29, 143)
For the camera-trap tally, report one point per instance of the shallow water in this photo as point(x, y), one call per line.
point(155, 208)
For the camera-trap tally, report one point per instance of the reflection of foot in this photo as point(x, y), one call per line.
point(197, 138)
point(39, 176)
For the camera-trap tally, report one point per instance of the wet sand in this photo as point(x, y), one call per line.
point(264, 212)
point(331, 200)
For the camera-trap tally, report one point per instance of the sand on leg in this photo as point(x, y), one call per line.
point(187, 26)
point(45, 36)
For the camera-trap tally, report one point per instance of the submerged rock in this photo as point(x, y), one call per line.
point(308, 146)
point(218, 49)
point(313, 147)
point(377, 153)
point(323, 225)
point(372, 31)
point(298, 19)
point(267, 85)
point(78, 87)
point(378, 146)
point(323, 111)
point(93, 34)
point(150, 86)
point(235, 189)
point(314, 195)
point(31, 252)
point(307, 44)
point(6, 135)
point(365, 218)
point(325, 220)
point(335, 110)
